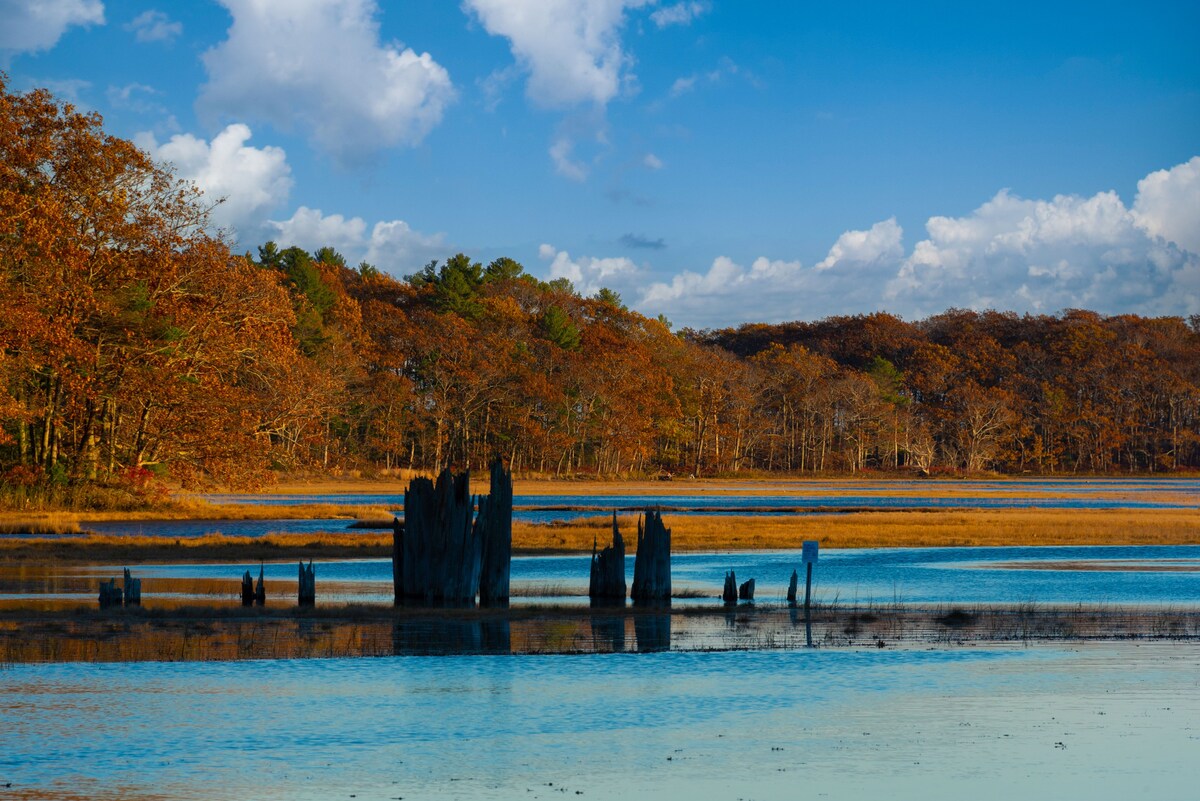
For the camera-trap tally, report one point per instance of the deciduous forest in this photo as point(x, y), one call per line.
point(137, 347)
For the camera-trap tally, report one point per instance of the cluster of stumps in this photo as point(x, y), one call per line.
point(453, 548)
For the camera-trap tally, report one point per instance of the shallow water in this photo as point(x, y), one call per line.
point(1107, 721)
point(923, 576)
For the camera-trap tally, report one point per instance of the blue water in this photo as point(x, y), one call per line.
point(1100, 722)
point(922, 576)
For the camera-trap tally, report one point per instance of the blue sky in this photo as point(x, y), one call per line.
point(713, 160)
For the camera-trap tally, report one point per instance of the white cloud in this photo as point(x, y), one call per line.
point(32, 26)
point(680, 13)
point(154, 26)
point(883, 241)
point(392, 246)
point(1167, 204)
point(587, 274)
point(571, 48)
point(1038, 256)
point(560, 154)
point(652, 162)
point(319, 66)
point(251, 182)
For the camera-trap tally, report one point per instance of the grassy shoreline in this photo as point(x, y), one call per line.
point(1010, 527)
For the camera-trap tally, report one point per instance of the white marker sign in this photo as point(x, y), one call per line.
point(809, 554)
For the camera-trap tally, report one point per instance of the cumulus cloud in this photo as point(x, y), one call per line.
point(680, 13)
point(570, 48)
point(249, 182)
point(1167, 203)
point(587, 274)
point(154, 26)
point(29, 27)
point(391, 245)
point(882, 242)
point(319, 66)
point(1011, 253)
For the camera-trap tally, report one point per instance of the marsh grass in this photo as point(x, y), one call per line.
point(1010, 527)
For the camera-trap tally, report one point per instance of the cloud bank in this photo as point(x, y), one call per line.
point(392, 245)
point(1011, 253)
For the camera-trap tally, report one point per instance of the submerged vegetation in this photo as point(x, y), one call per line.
point(137, 351)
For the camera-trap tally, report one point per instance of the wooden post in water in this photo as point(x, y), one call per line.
point(110, 594)
point(652, 565)
point(260, 590)
point(308, 585)
point(809, 555)
point(746, 591)
point(133, 590)
point(440, 555)
point(730, 594)
point(247, 589)
point(607, 583)
point(494, 530)
point(398, 560)
point(791, 595)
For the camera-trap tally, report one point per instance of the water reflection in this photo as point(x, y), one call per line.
point(608, 633)
point(653, 633)
point(441, 636)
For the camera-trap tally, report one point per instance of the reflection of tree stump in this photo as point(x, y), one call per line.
point(746, 591)
point(308, 584)
point(133, 590)
point(494, 529)
point(730, 594)
point(608, 570)
point(653, 632)
point(652, 565)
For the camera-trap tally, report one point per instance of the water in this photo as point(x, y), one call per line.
point(1104, 721)
point(1136, 575)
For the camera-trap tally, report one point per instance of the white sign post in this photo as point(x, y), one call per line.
point(809, 556)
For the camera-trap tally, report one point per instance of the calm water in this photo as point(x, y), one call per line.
point(1110, 721)
point(881, 576)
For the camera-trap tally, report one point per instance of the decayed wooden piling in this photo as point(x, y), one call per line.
point(247, 589)
point(133, 590)
point(746, 590)
point(652, 565)
point(608, 569)
point(791, 594)
point(730, 594)
point(308, 585)
point(440, 552)
point(493, 526)
point(260, 589)
point(110, 594)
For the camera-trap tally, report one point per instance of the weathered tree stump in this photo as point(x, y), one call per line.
point(398, 560)
point(260, 589)
point(110, 594)
point(494, 530)
point(607, 582)
point(791, 595)
point(440, 551)
point(730, 594)
point(652, 565)
point(746, 590)
point(308, 585)
point(133, 590)
point(247, 589)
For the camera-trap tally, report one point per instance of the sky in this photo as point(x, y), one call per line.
point(716, 161)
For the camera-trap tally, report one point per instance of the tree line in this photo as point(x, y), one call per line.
point(135, 345)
